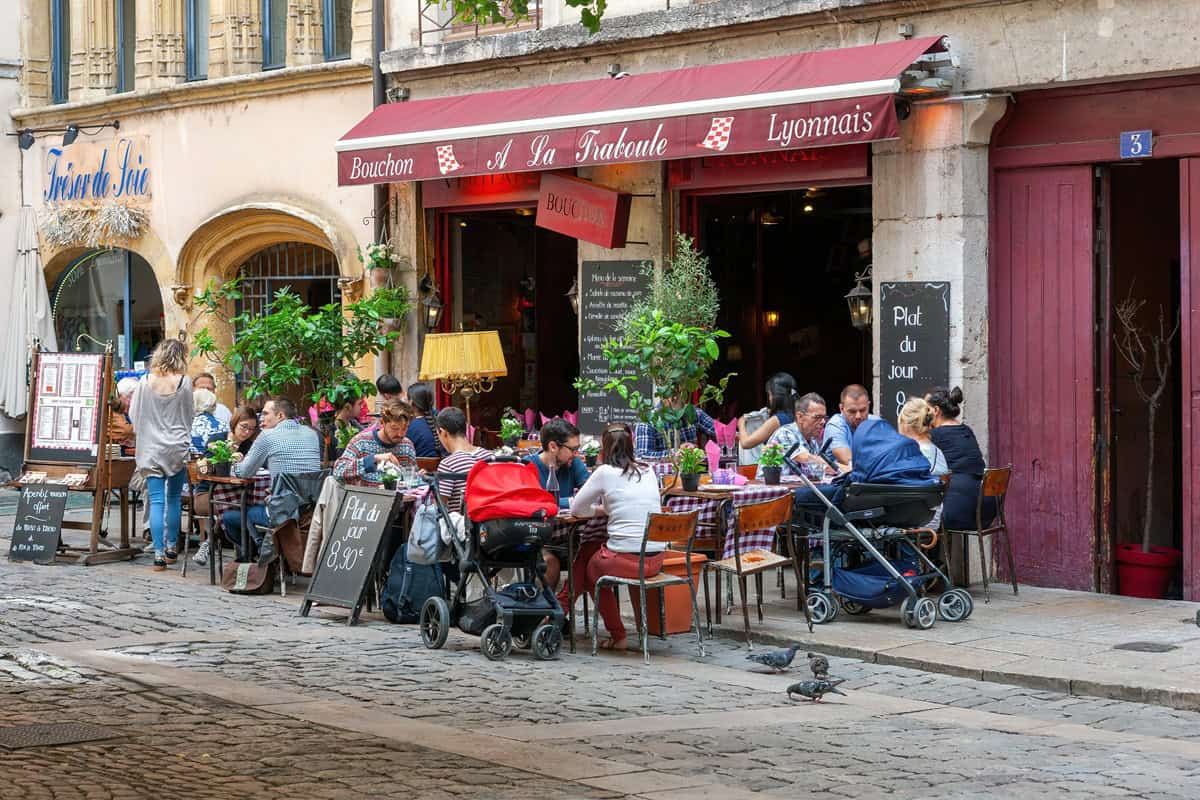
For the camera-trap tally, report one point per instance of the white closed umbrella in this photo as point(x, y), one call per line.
point(28, 317)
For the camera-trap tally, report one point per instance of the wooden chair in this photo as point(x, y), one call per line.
point(748, 471)
point(768, 515)
point(664, 528)
point(428, 464)
point(995, 486)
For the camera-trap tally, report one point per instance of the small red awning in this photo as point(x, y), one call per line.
point(828, 97)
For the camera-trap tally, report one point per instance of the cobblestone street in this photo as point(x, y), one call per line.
point(206, 694)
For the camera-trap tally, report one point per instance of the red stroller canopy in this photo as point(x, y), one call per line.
point(506, 489)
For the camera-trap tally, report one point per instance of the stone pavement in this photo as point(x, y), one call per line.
point(210, 695)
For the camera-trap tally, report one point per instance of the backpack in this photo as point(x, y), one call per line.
point(408, 586)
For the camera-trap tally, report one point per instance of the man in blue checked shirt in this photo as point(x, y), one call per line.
point(649, 442)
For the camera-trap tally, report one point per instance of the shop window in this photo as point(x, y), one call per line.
point(197, 33)
point(60, 49)
point(337, 15)
point(109, 296)
point(274, 33)
point(126, 44)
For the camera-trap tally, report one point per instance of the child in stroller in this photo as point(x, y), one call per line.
point(507, 524)
point(874, 531)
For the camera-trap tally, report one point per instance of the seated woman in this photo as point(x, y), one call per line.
point(963, 456)
point(781, 398)
point(915, 421)
point(206, 428)
point(422, 430)
point(243, 429)
point(627, 491)
point(383, 444)
point(561, 474)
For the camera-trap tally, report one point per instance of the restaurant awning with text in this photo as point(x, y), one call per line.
point(818, 99)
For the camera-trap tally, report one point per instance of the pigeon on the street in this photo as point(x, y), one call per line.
point(819, 665)
point(814, 690)
point(778, 660)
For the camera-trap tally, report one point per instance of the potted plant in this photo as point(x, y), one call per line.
point(380, 260)
point(689, 463)
point(511, 431)
point(389, 473)
point(1145, 570)
point(220, 457)
point(591, 451)
point(771, 462)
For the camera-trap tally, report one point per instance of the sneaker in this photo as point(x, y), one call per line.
point(149, 548)
point(171, 556)
point(201, 557)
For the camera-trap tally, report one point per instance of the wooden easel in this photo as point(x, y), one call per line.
point(104, 472)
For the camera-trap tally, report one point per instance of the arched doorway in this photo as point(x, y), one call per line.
point(109, 295)
point(307, 270)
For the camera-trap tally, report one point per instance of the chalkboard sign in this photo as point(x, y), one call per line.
point(914, 342)
point(350, 550)
point(607, 290)
point(39, 523)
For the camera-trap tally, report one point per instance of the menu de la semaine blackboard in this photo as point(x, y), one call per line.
point(608, 289)
point(39, 523)
point(350, 549)
point(914, 342)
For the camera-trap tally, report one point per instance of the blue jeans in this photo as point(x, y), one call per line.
point(166, 509)
point(255, 515)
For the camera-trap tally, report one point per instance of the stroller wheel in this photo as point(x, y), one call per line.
point(822, 607)
point(435, 622)
point(547, 641)
point(496, 642)
point(955, 605)
point(921, 614)
point(853, 608)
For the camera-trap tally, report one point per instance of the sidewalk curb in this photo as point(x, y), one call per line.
point(1180, 699)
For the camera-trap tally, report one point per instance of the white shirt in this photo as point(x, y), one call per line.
point(222, 413)
point(628, 501)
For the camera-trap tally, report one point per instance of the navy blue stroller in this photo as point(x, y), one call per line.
point(875, 525)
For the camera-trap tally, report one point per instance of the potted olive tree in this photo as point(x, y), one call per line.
point(1144, 570)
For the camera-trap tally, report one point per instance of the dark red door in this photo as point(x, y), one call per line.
point(1042, 377)
point(1189, 286)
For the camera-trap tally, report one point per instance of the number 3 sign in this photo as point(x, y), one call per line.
point(1137, 144)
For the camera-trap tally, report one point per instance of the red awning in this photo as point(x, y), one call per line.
point(817, 99)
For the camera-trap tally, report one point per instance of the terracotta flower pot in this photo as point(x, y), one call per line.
point(1145, 574)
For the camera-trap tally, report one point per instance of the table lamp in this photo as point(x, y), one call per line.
point(466, 361)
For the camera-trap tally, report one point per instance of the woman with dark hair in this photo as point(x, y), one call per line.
point(961, 449)
point(243, 428)
point(421, 431)
point(626, 490)
point(781, 402)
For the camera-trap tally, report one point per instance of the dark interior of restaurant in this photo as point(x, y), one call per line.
point(783, 263)
point(515, 277)
point(1145, 265)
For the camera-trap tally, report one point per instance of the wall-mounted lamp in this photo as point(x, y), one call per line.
point(573, 296)
point(26, 136)
point(431, 303)
point(70, 135)
point(858, 300)
point(771, 319)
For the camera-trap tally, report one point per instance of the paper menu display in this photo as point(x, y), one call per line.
point(67, 402)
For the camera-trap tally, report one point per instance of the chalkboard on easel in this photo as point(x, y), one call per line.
point(914, 342)
point(607, 290)
point(38, 524)
point(350, 550)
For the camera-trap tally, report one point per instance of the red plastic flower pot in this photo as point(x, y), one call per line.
point(1145, 574)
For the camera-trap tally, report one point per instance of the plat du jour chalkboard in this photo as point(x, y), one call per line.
point(914, 342)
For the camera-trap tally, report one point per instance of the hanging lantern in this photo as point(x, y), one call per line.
point(573, 296)
point(858, 300)
point(431, 309)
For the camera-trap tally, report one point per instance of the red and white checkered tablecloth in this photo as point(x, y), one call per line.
point(587, 531)
point(232, 495)
point(709, 506)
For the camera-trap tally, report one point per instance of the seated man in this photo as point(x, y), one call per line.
point(804, 432)
point(461, 455)
point(649, 442)
point(855, 408)
point(383, 444)
point(285, 447)
point(561, 474)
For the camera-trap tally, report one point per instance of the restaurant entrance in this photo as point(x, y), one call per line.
point(506, 274)
point(783, 262)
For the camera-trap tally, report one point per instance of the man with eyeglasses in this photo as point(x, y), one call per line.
point(805, 432)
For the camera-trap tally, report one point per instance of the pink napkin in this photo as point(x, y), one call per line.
point(714, 456)
point(726, 432)
point(571, 417)
point(739, 479)
point(470, 433)
point(530, 419)
point(545, 419)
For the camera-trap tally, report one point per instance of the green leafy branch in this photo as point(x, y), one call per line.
point(513, 12)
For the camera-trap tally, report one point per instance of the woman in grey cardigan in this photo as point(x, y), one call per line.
point(162, 412)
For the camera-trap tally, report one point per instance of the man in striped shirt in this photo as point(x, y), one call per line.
point(452, 433)
point(384, 443)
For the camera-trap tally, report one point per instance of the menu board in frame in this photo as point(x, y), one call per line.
point(68, 400)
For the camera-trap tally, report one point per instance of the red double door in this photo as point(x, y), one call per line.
point(1049, 362)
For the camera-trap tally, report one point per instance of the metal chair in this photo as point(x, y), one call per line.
point(994, 486)
point(201, 521)
point(768, 515)
point(664, 528)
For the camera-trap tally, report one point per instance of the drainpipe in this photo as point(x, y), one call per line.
point(379, 97)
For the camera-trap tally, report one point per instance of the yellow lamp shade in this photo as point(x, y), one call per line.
point(474, 354)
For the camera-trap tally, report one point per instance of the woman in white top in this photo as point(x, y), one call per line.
point(914, 421)
point(626, 490)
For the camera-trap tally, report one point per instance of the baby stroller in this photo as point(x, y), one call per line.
point(507, 511)
point(874, 531)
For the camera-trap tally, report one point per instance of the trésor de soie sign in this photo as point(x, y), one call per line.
point(93, 173)
point(583, 210)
